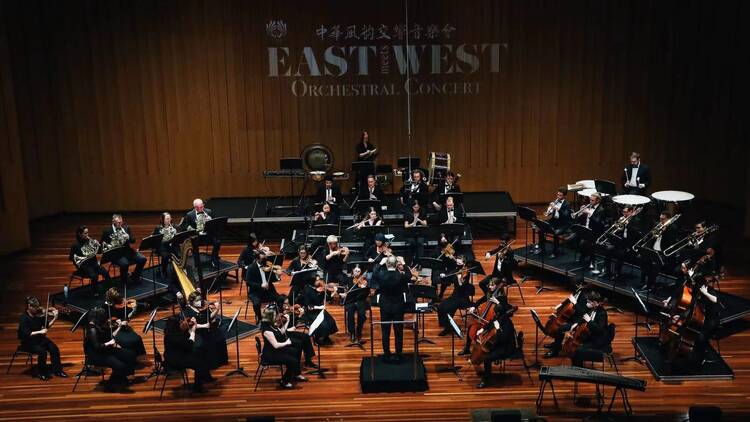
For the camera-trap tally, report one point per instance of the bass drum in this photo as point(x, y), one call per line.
point(317, 157)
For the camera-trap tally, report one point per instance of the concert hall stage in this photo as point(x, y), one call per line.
point(713, 367)
point(735, 307)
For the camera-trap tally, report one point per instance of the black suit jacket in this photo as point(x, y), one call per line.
point(597, 222)
point(643, 175)
point(564, 218)
point(392, 287)
point(364, 193)
point(421, 194)
point(190, 219)
point(597, 338)
point(441, 190)
point(457, 213)
point(255, 280)
point(321, 195)
point(108, 232)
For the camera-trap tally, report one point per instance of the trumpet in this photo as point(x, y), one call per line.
point(617, 226)
point(576, 214)
point(690, 240)
point(551, 208)
point(657, 231)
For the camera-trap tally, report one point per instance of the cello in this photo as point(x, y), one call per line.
point(484, 342)
point(562, 315)
point(485, 312)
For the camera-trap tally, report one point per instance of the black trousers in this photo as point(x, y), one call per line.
point(124, 262)
point(398, 330)
point(614, 253)
point(586, 352)
point(506, 274)
point(497, 354)
point(557, 344)
point(303, 342)
point(260, 296)
point(449, 307)
point(93, 271)
point(556, 233)
point(288, 356)
point(358, 310)
point(192, 361)
point(42, 346)
point(121, 361)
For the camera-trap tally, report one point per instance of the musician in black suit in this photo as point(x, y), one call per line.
point(598, 339)
point(417, 189)
point(650, 265)
point(450, 214)
point(119, 234)
point(558, 216)
point(636, 177)
point(504, 265)
point(618, 243)
point(167, 248)
point(372, 191)
point(392, 300)
point(416, 216)
point(593, 217)
point(445, 187)
point(505, 344)
point(459, 299)
point(707, 244)
point(328, 192)
point(196, 219)
point(260, 288)
point(580, 309)
point(91, 268)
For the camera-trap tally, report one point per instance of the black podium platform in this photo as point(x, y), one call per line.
point(407, 375)
point(713, 368)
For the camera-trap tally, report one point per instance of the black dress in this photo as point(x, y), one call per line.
point(310, 298)
point(179, 352)
point(288, 356)
point(210, 342)
point(122, 361)
point(127, 337)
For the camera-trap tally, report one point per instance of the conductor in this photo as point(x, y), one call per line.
point(392, 301)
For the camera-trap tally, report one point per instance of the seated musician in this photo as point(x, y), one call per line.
point(415, 190)
point(597, 340)
point(504, 264)
point(451, 214)
point(440, 277)
point(248, 255)
point(167, 249)
point(415, 217)
point(495, 296)
point(706, 244)
point(101, 349)
point(326, 215)
point(118, 311)
point(459, 299)
point(444, 187)
point(86, 247)
point(303, 261)
point(33, 336)
point(329, 192)
point(196, 219)
point(558, 216)
point(211, 343)
point(260, 278)
point(313, 299)
point(335, 257)
point(593, 217)
point(371, 192)
point(278, 348)
point(651, 267)
point(356, 310)
point(505, 341)
point(180, 350)
point(118, 234)
point(581, 308)
point(372, 219)
point(292, 314)
point(636, 177)
point(620, 242)
point(379, 249)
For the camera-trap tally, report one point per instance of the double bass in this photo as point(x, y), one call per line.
point(485, 342)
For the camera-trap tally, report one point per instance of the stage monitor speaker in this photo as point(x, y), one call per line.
point(704, 414)
point(510, 415)
point(260, 419)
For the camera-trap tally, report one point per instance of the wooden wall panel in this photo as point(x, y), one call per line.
point(144, 105)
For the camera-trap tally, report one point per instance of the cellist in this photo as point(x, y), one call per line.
point(504, 344)
point(495, 296)
point(580, 309)
point(597, 322)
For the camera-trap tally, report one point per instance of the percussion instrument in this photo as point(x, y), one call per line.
point(673, 196)
point(317, 175)
point(340, 175)
point(440, 164)
point(317, 157)
point(630, 200)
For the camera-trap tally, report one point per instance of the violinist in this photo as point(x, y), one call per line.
point(260, 278)
point(372, 219)
point(248, 255)
point(180, 351)
point(581, 308)
point(313, 300)
point(379, 249)
point(303, 261)
point(494, 296)
point(335, 257)
point(32, 332)
point(101, 349)
point(278, 348)
point(211, 343)
point(459, 299)
point(167, 230)
point(326, 215)
point(440, 279)
point(415, 217)
point(356, 309)
point(596, 341)
point(558, 216)
point(85, 247)
point(392, 287)
point(504, 264)
point(287, 319)
point(444, 187)
point(119, 313)
point(501, 346)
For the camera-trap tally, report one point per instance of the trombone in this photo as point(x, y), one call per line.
point(657, 231)
point(690, 240)
point(617, 226)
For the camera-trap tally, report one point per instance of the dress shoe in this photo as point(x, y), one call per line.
point(551, 354)
point(287, 385)
point(61, 374)
point(445, 332)
point(300, 378)
point(312, 365)
point(548, 346)
point(484, 383)
point(552, 256)
point(43, 377)
point(198, 388)
point(464, 352)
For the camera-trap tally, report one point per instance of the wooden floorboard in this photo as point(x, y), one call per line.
point(44, 268)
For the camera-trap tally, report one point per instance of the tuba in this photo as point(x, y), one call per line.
point(89, 249)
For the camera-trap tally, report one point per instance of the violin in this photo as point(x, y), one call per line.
point(269, 267)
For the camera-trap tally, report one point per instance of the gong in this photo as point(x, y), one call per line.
point(317, 157)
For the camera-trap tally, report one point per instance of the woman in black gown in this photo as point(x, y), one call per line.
point(119, 313)
point(313, 301)
point(179, 350)
point(210, 340)
point(278, 349)
point(101, 349)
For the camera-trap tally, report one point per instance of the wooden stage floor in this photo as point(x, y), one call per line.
point(44, 268)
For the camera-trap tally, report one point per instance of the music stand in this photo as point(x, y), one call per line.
point(453, 229)
point(370, 231)
point(325, 229)
point(215, 226)
point(320, 372)
point(419, 291)
point(150, 326)
point(543, 227)
point(363, 168)
point(539, 327)
point(233, 324)
point(606, 187)
point(455, 331)
point(637, 356)
point(152, 243)
point(528, 215)
point(181, 237)
point(408, 163)
point(112, 255)
point(355, 296)
point(364, 204)
point(80, 320)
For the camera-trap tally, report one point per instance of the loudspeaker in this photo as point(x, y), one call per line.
point(704, 414)
point(511, 415)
